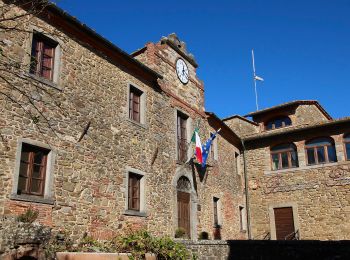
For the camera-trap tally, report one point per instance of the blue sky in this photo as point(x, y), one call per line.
point(302, 48)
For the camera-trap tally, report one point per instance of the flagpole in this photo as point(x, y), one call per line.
point(254, 78)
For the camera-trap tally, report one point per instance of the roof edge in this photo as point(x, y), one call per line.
point(240, 117)
point(53, 8)
point(291, 103)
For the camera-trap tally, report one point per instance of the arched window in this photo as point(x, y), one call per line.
point(284, 156)
point(347, 146)
point(320, 150)
point(278, 122)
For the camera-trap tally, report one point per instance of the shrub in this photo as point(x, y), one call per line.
point(180, 233)
point(29, 216)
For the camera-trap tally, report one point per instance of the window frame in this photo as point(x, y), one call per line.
point(47, 196)
point(182, 141)
point(30, 169)
point(141, 211)
point(289, 154)
point(242, 219)
point(274, 124)
point(218, 222)
point(40, 44)
point(345, 142)
point(314, 148)
point(134, 88)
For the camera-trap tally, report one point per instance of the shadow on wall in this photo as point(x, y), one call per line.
point(289, 250)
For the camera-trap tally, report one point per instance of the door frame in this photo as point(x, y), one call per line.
point(294, 207)
point(185, 171)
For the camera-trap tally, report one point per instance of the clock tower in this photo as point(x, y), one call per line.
point(170, 58)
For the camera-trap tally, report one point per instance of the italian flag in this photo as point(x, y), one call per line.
point(195, 139)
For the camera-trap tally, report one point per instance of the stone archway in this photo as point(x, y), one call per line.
point(185, 202)
point(183, 192)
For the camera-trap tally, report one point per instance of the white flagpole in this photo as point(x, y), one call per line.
point(254, 78)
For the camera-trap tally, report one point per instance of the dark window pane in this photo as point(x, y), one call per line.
point(310, 156)
point(23, 169)
point(348, 150)
point(278, 123)
point(319, 142)
point(332, 156)
point(321, 154)
point(282, 147)
point(287, 121)
point(275, 161)
point(36, 171)
point(347, 138)
point(294, 159)
point(35, 186)
point(269, 126)
point(21, 185)
point(285, 163)
point(25, 156)
point(38, 157)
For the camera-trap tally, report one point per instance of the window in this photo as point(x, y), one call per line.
point(320, 150)
point(181, 137)
point(32, 170)
point(135, 104)
point(347, 146)
point(278, 122)
point(284, 156)
point(237, 163)
point(43, 56)
point(242, 219)
point(214, 149)
point(134, 191)
point(216, 217)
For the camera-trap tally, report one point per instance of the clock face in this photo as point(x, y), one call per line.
point(182, 71)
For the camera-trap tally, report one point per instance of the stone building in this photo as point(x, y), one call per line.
point(298, 172)
point(98, 140)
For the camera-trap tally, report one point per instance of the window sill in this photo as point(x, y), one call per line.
point(43, 81)
point(135, 213)
point(144, 126)
point(304, 168)
point(31, 198)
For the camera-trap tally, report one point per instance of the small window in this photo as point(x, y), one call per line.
point(320, 150)
point(43, 56)
point(278, 122)
point(214, 149)
point(237, 164)
point(181, 137)
point(216, 212)
point(242, 219)
point(134, 191)
point(135, 104)
point(32, 171)
point(347, 146)
point(284, 156)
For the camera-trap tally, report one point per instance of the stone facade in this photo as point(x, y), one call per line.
point(318, 194)
point(82, 119)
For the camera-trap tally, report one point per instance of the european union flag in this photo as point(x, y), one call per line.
point(206, 148)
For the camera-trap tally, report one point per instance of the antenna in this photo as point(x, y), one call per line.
point(255, 78)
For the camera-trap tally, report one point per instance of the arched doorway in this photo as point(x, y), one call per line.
point(183, 189)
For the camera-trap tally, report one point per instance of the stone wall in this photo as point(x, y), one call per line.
point(208, 249)
point(319, 194)
point(89, 178)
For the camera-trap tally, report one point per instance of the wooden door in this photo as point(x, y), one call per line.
point(183, 211)
point(284, 223)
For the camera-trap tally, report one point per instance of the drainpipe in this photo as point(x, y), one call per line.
point(246, 191)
